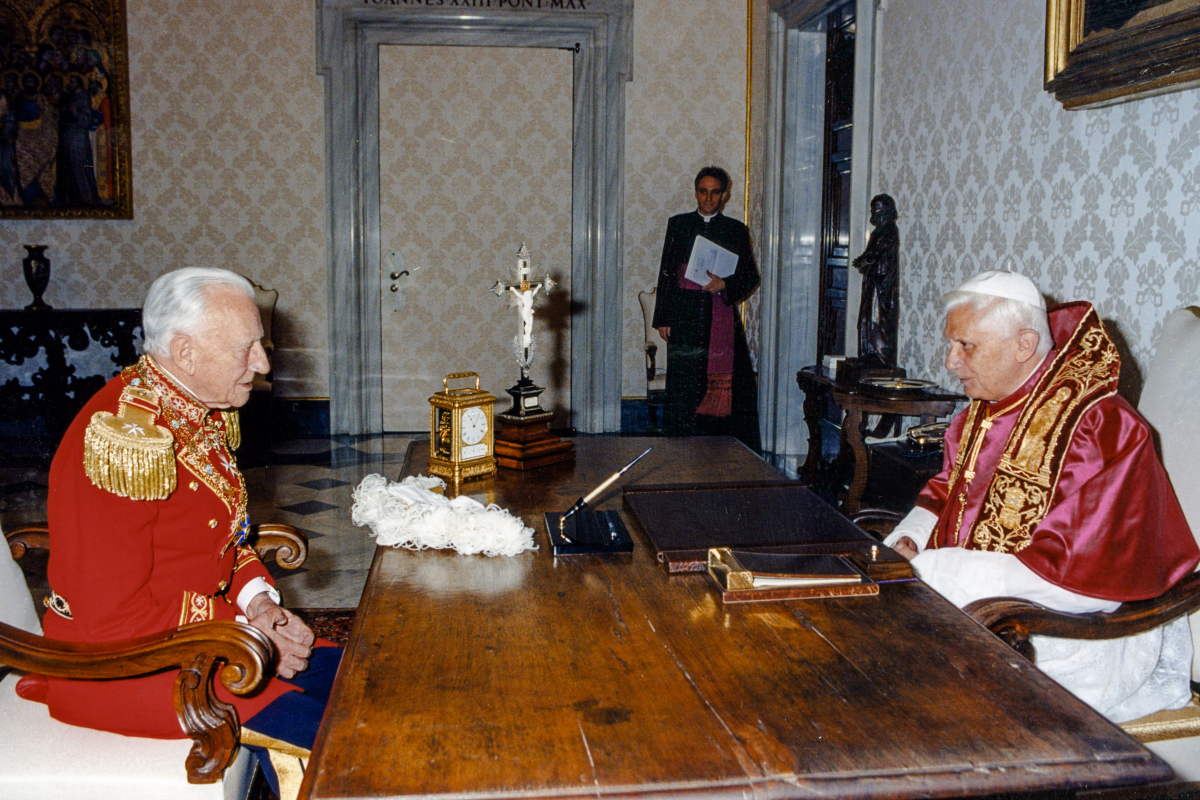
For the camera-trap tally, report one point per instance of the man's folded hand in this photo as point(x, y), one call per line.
point(291, 637)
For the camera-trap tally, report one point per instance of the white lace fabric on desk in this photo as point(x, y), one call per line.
point(408, 514)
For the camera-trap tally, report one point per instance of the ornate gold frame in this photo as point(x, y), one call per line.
point(1139, 60)
point(36, 25)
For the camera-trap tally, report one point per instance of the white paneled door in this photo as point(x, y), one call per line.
point(474, 161)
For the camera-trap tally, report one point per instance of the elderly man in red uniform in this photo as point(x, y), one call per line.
point(147, 513)
point(1051, 491)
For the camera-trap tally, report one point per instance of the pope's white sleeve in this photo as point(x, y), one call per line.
point(917, 525)
point(963, 576)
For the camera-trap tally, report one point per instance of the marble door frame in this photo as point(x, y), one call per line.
point(349, 33)
point(793, 169)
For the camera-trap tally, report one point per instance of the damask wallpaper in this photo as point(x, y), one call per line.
point(988, 171)
point(227, 116)
point(228, 142)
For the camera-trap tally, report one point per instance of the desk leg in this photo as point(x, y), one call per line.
point(852, 432)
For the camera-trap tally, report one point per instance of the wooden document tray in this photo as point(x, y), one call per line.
point(748, 576)
point(683, 522)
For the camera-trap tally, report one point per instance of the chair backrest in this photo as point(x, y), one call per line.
point(647, 300)
point(1169, 404)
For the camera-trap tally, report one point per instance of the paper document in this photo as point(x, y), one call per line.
point(709, 257)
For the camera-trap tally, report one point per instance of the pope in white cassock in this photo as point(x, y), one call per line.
point(1051, 491)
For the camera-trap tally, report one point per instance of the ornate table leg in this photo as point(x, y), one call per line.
point(813, 393)
point(852, 432)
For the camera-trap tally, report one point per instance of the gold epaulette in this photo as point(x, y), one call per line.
point(127, 454)
point(233, 428)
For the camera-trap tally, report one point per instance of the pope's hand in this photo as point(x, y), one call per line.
point(906, 547)
point(291, 637)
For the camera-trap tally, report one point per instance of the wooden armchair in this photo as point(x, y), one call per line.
point(239, 655)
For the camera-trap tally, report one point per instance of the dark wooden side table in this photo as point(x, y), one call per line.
point(858, 400)
point(52, 362)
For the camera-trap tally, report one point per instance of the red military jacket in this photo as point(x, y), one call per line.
point(121, 567)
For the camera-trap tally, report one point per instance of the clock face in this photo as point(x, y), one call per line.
point(474, 425)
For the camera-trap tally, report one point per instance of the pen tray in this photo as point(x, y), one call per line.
point(589, 532)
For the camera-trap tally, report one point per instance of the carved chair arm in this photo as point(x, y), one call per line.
point(196, 650)
point(878, 522)
point(288, 544)
point(29, 537)
point(1015, 620)
point(651, 354)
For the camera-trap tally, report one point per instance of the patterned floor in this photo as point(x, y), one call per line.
point(308, 483)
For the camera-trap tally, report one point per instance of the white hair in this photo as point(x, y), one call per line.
point(1004, 315)
point(178, 303)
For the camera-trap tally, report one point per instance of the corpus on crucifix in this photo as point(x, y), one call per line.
point(524, 440)
point(522, 291)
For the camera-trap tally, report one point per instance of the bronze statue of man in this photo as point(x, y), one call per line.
point(879, 311)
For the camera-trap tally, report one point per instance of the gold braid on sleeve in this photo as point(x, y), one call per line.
point(126, 453)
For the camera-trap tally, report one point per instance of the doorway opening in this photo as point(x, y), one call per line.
point(350, 34)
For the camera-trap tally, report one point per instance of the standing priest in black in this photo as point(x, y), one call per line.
point(711, 385)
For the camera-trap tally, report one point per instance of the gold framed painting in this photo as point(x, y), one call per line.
point(64, 110)
point(1100, 52)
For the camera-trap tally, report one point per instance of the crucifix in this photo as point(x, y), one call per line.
point(523, 291)
point(524, 440)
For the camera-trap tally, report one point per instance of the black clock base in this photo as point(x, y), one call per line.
point(590, 532)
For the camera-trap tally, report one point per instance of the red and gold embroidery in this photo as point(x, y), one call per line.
point(1083, 372)
point(245, 555)
point(201, 438)
point(196, 608)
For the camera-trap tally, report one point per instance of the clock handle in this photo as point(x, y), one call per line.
point(446, 380)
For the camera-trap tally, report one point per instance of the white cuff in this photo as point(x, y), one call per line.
point(253, 589)
point(917, 525)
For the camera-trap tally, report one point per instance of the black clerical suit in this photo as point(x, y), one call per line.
point(688, 313)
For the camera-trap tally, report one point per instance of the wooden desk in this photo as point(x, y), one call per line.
point(531, 677)
point(858, 400)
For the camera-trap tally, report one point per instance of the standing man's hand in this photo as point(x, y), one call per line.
point(291, 637)
point(665, 332)
point(715, 285)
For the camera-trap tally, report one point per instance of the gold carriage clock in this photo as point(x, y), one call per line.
point(460, 431)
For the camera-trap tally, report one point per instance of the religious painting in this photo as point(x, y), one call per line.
point(1100, 52)
point(64, 110)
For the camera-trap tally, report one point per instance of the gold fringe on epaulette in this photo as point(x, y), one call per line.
point(140, 467)
point(233, 428)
